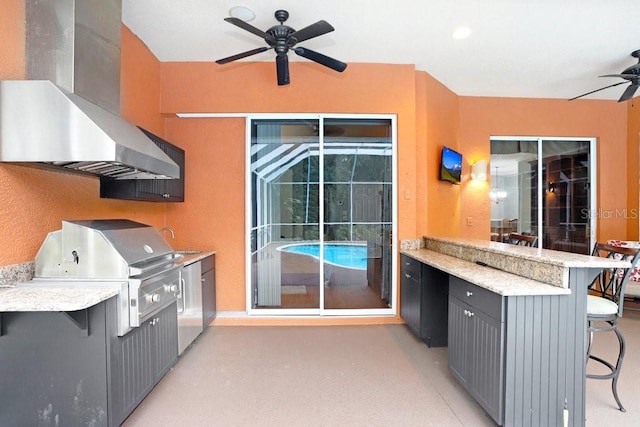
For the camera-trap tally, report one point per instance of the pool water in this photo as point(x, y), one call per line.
point(343, 255)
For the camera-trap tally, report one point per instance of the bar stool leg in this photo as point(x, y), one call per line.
point(614, 384)
point(615, 370)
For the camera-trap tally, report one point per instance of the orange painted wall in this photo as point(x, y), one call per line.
point(140, 84)
point(633, 171)
point(212, 215)
point(201, 87)
point(12, 40)
point(442, 129)
point(422, 155)
point(481, 118)
point(35, 201)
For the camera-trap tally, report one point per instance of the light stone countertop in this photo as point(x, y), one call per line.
point(56, 295)
point(497, 281)
point(189, 257)
point(547, 256)
point(26, 297)
point(542, 265)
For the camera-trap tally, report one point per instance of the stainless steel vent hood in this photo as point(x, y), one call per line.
point(66, 114)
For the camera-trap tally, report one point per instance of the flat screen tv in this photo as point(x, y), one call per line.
point(450, 166)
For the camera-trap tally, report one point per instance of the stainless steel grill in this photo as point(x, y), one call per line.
point(115, 252)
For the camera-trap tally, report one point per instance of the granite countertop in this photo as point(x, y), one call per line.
point(497, 281)
point(57, 295)
point(547, 256)
point(189, 257)
point(30, 297)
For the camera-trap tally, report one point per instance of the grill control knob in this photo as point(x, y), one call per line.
point(171, 288)
point(153, 298)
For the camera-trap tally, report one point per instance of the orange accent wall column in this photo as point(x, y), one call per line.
point(442, 128)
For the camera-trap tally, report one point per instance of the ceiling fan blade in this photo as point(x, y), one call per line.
point(242, 55)
point(597, 90)
point(282, 68)
point(245, 26)
point(313, 30)
point(629, 92)
point(622, 76)
point(320, 58)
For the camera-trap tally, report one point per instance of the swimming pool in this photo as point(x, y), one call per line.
point(343, 255)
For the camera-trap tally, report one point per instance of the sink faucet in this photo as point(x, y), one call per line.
point(170, 230)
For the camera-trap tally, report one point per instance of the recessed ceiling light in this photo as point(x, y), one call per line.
point(461, 33)
point(242, 12)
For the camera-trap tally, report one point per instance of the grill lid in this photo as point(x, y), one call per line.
point(102, 249)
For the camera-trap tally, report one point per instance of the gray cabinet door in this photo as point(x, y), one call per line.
point(423, 301)
point(410, 298)
point(476, 355)
point(141, 358)
point(486, 357)
point(132, 373)
point(458, 339)
point(164, 335)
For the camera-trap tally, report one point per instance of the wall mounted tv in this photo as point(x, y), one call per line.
point(450, 166)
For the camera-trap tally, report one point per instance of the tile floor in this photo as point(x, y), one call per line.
point(342, 376)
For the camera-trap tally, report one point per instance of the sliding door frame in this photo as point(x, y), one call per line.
point(593, 164)
point(320, 311)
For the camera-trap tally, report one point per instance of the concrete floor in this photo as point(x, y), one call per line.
point(343, 376)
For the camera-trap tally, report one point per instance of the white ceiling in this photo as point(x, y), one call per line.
point(518, 48)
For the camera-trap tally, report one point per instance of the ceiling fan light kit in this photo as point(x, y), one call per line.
point(242, 12)
point(630, 74)
point(282, 38)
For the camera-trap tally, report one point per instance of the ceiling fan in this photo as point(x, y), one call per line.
point(283, 38)
point(630, 74)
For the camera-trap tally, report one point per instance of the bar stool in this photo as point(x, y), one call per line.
point(604, 306)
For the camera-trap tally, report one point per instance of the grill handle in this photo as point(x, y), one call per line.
point(143, 269)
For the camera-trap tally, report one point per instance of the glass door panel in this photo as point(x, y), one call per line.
point(566, 199)
point(549, 198)
point(285, 228)
point(357, 212)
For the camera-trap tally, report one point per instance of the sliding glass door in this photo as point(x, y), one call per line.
point(321, 211)
point(544, 187)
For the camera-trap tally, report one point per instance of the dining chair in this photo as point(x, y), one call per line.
point(605, 305)
point(523, 239)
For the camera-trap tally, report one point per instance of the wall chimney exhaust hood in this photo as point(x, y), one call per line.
point(66, 114)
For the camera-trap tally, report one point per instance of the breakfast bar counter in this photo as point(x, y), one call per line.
point(513, 319)
point(485, 276)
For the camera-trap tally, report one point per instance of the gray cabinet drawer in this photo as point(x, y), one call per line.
point(479, 298)
point(410, 266)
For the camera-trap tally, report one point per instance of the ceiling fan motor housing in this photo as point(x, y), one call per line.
point(280, 41)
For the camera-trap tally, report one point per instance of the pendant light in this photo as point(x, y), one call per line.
point(497, 194)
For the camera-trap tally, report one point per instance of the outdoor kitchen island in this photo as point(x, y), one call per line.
point(63, 363)
point(514, 323)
